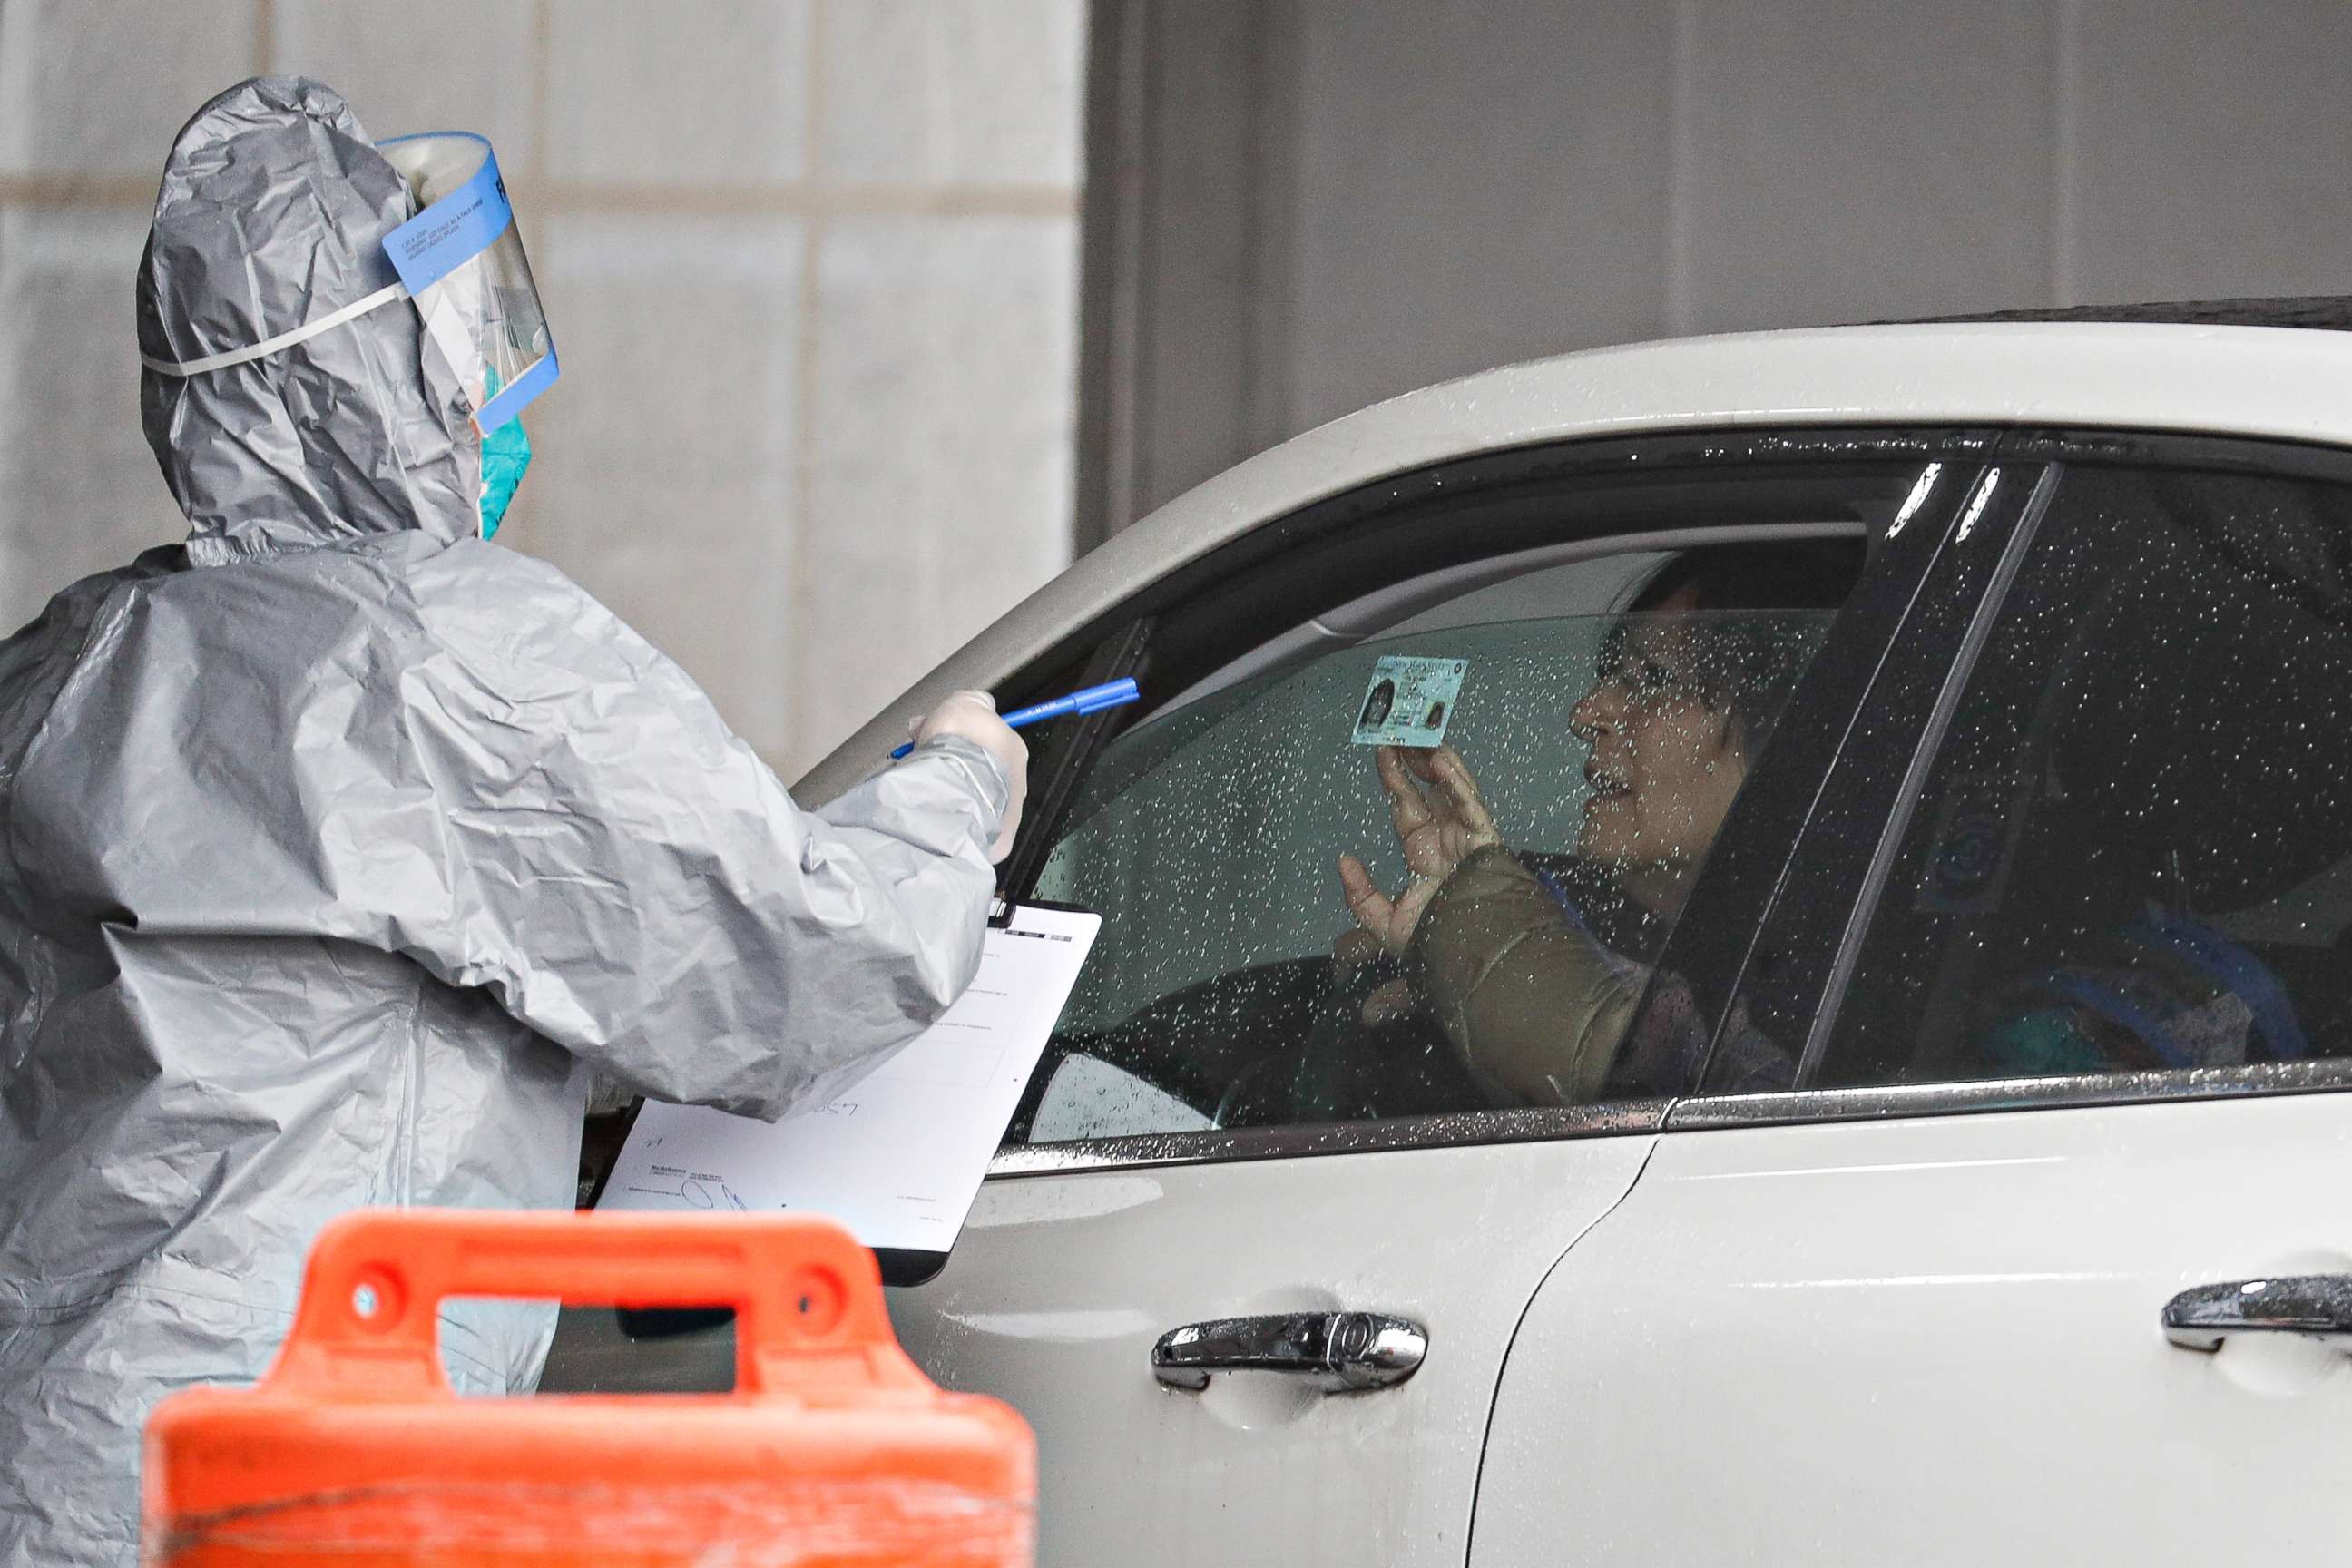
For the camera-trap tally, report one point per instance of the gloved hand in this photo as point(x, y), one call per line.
point(973, 716)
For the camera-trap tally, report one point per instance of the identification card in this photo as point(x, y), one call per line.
point(1409, 701)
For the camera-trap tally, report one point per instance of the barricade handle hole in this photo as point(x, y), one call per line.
point(819, 1298)
point(377, 1301)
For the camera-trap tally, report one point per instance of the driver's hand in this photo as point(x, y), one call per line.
point(1440, 819)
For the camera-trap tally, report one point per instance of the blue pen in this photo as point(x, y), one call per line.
point(1092, 699)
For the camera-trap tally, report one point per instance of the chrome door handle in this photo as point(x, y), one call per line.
point(2317, 1306)
point(1340, 1351)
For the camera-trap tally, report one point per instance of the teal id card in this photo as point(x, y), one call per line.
point(1409, 701)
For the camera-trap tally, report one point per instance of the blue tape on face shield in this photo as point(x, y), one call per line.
point(461, 259)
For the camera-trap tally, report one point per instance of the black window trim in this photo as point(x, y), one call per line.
point(2058, 449)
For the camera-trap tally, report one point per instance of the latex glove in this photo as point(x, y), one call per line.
point(971, 715)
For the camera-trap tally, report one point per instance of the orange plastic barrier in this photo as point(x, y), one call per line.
point(834, 1450)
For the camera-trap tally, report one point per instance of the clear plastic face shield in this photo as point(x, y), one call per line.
point(461, 259)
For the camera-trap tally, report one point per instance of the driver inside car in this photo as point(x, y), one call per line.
point(1533, 965)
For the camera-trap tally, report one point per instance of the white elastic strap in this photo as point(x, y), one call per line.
point(384, 296)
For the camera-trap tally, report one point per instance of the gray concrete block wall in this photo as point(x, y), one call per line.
point(968, 91)
point(671, 490)
point(922, 440)
point(694, 94)
point(90, 88)
point(78, 489)
point(810, 263)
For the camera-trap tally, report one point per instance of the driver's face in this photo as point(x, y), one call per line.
point(1664, 764)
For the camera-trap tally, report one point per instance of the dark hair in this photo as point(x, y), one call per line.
point(1752, 659)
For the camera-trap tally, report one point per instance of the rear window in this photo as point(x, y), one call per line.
point(2134, 849)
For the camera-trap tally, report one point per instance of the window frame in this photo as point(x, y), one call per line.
point(1336, 529)
point(1911, 752)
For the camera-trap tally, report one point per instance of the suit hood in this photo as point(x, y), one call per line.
point(272, 213)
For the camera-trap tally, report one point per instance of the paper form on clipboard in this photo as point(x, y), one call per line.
point(898, 1158)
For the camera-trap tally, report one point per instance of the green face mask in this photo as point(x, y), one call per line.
point(505, 453)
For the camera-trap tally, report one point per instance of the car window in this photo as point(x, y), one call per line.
point(2133, 851)
point(1585, 761)
point(1089, 1098)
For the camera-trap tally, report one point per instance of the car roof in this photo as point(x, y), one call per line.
point(2317, 313)
point(2249, 368)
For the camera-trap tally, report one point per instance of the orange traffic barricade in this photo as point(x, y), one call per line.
point(832, 1450)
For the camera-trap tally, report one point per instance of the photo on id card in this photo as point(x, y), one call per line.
point(1409, 701)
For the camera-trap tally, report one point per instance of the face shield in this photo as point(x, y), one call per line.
point(460, 259)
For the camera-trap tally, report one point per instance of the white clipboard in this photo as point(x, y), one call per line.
point(900, 1157)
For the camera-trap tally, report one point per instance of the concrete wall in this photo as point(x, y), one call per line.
point(1316, 204)
point(811, 264)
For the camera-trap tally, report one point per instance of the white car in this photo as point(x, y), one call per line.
point(1890, 1110)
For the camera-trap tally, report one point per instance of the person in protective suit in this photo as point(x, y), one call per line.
point(338, 847)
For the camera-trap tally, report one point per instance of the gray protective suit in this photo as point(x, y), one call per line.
point(337, 848)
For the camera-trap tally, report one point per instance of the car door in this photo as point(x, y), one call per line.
point(1219, 1161)
point(2047, 1255)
